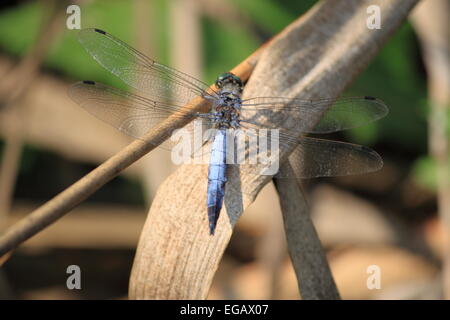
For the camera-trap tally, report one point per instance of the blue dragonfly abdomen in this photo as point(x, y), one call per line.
point(217, 177)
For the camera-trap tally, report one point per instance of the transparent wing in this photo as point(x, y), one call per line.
point(289, 119)
point(325, 158)
point(313, 158)
point(312, 116)
point(140, 72)
point(133, 114)
point(273, 138)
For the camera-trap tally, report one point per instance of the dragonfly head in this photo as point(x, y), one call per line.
point(227, 79)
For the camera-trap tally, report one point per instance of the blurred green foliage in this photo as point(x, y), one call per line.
point(425, 172)
point(396, 75)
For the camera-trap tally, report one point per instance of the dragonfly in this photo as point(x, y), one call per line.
point(165, 92)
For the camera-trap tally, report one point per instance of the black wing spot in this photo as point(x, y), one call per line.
point(100, 31)
point(370, 98)
point(89, 82)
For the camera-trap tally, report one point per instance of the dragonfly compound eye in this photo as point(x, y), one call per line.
point(227, 78)
point(219, 83)
point(237, 80)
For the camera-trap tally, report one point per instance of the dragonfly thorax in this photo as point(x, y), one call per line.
point(227, 109)
point(227, 115)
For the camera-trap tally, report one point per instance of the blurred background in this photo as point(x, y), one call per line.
point(47, 142)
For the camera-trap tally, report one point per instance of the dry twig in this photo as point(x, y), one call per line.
point(311, 267)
